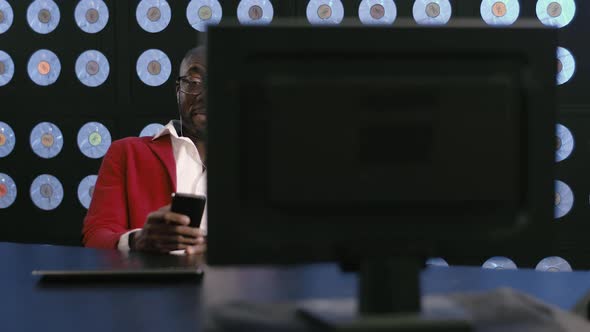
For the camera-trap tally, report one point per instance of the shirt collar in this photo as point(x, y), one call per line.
point(169, 129)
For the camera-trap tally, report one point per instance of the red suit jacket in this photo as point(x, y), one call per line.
point(137, 176)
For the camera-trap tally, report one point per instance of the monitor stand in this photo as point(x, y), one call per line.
point(388, 300)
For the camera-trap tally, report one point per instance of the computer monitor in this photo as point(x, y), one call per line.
point(379, 145)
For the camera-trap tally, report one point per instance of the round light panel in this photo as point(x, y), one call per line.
point(564, 143)
point(499, 263)
point(94, 139)
point(86, 190)
point(92, 68)
point(564, 199)
point(201, 13)
point(255, 12)
point(91, 15)
point(43, 16)
point(556, 13)
point(432, 12)
point(377, 11)
point(7, 191)
point(499, 12)
point(566, 65)
point(46, 192)
point(7, 139)
point(153, 15)
point(153, 67)
point(46, 140)
point(6, 68)
point(6, 16)
point(325, 12)
point(553, 264)
point(44, 67)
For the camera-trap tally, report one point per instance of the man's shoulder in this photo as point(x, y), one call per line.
point(134, 143)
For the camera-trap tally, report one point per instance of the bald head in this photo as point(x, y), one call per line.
point(195, 56)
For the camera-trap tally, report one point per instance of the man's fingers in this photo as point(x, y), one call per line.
point(176, 218)
point(175, 239)
point(168, 229)
point(158, 216)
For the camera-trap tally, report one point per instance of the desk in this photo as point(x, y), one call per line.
point(25, 305)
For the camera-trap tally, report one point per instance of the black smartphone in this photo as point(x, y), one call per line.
point(190, 205)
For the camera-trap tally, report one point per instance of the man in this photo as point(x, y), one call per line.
point(130, 207)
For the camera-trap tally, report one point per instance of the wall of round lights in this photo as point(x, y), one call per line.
point(153, 68)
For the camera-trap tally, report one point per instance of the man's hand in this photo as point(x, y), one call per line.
point(165, 231)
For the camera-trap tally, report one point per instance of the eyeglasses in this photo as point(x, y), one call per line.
point(190, 85)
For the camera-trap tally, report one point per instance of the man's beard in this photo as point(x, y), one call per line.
point(194, 129)
point(201, 134)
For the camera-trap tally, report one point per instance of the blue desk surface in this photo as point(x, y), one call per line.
point(28, 305)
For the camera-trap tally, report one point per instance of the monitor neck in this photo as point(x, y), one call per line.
point(389, 285)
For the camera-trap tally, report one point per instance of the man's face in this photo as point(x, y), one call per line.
point(191, 98)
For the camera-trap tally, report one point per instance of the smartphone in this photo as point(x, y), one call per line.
point(190, 205)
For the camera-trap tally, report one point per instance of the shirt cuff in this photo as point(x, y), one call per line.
point(123, 244)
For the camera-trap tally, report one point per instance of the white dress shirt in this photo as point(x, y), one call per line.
point(191, 174)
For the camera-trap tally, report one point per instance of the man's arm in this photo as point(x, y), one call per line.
point(106, 219)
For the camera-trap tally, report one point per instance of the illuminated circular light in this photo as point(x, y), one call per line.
point(255, 12)
point(433, 12)
point(46, 140)
point(86, 190)
point(565, 143)
point(566, 65)
point(201, 13)
point(437, 261)
point(94, 139)
point(499, 263)
point(6, 68)
point(153, 67)
point(205, 13)
point(556, 13)
point(377, 11)
point(7, 191)
point(153, 15)
point(564, 199)
point(325, 11)
point(553, 264)
point(46, 192)
point(151, 130)
point(499, 12)
point(92, 68)
point(91, 15)
point(44, 67)
point(43, 16)
point(7, 139)
point(6, 16)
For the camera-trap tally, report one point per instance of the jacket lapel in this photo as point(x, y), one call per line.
point(162, 148)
